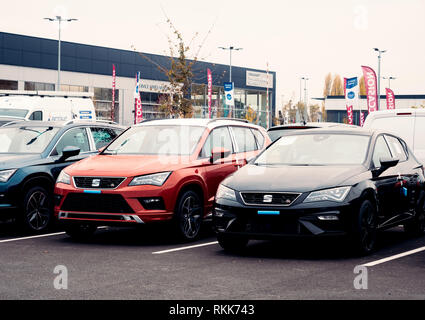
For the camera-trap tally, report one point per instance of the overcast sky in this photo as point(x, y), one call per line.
point(297, 38)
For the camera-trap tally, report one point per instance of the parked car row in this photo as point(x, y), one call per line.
point(336, 180)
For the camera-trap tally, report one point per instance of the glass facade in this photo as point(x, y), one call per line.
point(8, 85)
point(102, 101)
point(249, 104)
point(151, 102)
point(33, 86)
point(72, 88)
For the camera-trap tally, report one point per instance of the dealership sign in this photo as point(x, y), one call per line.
point(229, 94)
point(351, 89)
point(259, 79)
point(371, 88)
point(390, 99)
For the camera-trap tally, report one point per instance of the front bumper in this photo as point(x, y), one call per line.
point(124, 206)
point(255, 222)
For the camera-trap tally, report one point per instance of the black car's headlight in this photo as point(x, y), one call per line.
point(334, 194)
point(224, 192)
point(156, 179)
point(63, 178)
point(6, 174)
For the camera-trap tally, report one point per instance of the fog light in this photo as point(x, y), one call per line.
point(328, 218)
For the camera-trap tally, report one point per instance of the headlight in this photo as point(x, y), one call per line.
point(156, 179)
point(6, 174)
point(334, 194)
point(63, 178)
point(224, 192)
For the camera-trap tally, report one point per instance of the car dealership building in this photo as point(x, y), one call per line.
point(336, 110)
point(30, 63)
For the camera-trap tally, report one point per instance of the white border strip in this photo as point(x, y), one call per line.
point(397, 256)
point(33, 237)
point(186, 248)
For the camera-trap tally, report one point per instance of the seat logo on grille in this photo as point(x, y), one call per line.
point(95, 183)
point(267, 198)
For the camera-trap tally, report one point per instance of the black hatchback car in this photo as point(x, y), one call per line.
point(32, 154)
point(323, 182)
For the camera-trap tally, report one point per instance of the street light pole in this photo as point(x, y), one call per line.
point(59, 19)
point(305, 98)
point(231, 48)
point(379, 74)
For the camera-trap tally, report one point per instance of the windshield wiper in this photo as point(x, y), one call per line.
point(36, 137)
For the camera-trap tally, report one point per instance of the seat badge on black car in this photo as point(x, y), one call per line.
point(267, 198)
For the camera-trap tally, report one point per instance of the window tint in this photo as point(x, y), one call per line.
point(76, 137)
point(219, 137)
point(259, 136)
point(381, 150)
point(36, 115)
point(102, 136)
point(396, 148)
point(244, 139)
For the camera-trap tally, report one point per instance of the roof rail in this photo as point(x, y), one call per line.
point(13, 122)
point(233, 119)
point(107, 121)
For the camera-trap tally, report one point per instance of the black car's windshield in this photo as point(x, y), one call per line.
point(316, 149)
point(157, 140)
point(25, 139)
point(8, 112)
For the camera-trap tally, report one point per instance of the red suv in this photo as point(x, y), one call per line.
point(155, 171)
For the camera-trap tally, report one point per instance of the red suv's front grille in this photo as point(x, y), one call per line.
point(85, 202)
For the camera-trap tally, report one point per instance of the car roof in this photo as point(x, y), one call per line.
point(311, 125)
point(207, 123)
point(401, 111)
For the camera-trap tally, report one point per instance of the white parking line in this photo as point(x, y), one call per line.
point(397, 256)
point(186, 248)
point(33, 237)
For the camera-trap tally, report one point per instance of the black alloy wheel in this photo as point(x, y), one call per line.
point(37, 210)
point(365, 229)
point(189, 215)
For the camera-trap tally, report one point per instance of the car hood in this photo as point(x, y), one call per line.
point(290, 178)
point(126, 165)
point(14, 160)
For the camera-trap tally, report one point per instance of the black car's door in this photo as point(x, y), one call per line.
point(386, 183)
point(407, 178)
point(75, 137)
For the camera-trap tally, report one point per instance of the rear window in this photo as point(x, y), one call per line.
point(245, 140)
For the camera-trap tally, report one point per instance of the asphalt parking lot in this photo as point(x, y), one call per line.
point(149, 264)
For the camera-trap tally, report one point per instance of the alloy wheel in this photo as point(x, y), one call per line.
point(37, 211)
point(190, 217)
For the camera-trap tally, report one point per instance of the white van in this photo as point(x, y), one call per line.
point(408, 124)
point(47, 105)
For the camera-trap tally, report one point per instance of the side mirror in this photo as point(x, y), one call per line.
point(69, 152)
point(218, 153)
point(101, 149)
point(386, 163)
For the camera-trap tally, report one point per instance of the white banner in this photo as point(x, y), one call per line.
point(229, 94)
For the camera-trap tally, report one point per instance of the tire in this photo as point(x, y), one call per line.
point(416, 227)
point(80, 232)
point(189, 215)
point(363, 238)
point(232, 244)
point(37, 210)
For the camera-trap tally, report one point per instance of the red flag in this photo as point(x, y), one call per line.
point(350, 114)
point(209, 79)
point(371, 88)
point(361, 119)
point(113, 92)
point(138, 111)
point(390, 99)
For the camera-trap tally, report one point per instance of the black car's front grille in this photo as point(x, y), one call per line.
point(85, 202)
point(269, 198)
point(97, 182)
